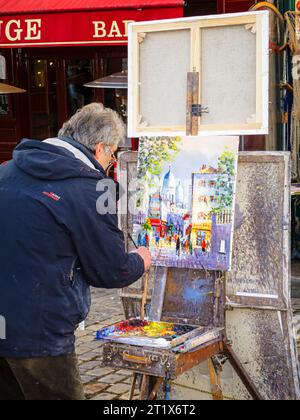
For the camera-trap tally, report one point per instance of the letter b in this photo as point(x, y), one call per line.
point(99, 29)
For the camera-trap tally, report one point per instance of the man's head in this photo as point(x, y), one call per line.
point(97, 128)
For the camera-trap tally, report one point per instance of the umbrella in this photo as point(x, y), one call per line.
point(114, 81)
point(4, 89)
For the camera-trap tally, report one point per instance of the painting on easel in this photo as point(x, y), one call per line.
point(185, 200)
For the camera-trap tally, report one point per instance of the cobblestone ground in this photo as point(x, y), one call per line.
point(101, 383)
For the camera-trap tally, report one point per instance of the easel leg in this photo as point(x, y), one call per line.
point(133, 383)
point(150, 387)
point(159, 382)
point(145, 387)
point(239, 368)
point(215, 382)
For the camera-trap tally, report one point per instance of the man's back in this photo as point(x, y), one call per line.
point(58, 237)
point(39, 297)
point(53, 245)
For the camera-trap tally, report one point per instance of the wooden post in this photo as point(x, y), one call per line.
point(158, 384)
point(132, 388)
point(240, 370)
point(192, 122)
point(145, 387)
point(215, 382)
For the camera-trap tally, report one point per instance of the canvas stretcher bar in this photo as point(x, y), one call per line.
point(162, 53)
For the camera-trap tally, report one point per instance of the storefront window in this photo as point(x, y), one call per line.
point(4, 101)
point(78, 72)
point(43, 98)
point(4, 105)
point(39, 74)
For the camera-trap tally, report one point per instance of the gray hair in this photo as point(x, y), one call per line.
point(94, 124)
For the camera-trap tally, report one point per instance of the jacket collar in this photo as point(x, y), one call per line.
point(85, 151)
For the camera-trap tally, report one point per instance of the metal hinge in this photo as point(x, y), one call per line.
point(198, 110)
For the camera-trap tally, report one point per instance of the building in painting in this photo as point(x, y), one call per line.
point(168, 190)
point(156, 215)
point(179, 196)
point(167, 206)
point(205, 195)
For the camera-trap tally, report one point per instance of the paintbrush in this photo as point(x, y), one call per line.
point(132, 240)
point(145, 292)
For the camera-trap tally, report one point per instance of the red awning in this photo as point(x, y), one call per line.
point(33, 23)
point(38, 6)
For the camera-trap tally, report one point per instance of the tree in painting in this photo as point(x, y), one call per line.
point(225, 181)
point(153, 154)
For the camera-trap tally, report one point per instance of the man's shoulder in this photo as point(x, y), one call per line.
point(76, 192)
point(86, 192)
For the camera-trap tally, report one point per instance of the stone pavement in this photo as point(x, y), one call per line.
point(101, 383)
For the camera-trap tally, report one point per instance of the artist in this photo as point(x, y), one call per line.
point(55, 245)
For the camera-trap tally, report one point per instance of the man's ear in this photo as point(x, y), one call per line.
point(99, 150)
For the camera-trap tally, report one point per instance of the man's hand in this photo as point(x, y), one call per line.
point(145, 254)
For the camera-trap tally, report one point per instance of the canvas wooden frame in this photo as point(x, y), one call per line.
point(138, 32)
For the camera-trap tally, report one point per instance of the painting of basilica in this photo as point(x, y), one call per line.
point(185, 200)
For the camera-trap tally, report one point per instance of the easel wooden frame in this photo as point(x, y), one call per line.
point(137, 34)
point(252, 325)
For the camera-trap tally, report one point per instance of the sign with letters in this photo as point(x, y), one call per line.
point(75, 28)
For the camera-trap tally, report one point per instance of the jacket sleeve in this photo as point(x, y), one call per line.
point(101, 248)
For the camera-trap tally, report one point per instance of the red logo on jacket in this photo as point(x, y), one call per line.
point(54, 197)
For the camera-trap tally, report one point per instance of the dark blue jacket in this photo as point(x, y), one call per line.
point(53, 246)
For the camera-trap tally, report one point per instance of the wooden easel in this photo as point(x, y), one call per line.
point(251, 177)
point(150, 385)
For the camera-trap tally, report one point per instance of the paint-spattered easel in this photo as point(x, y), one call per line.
point(191, 297)
point(183, 296)
point(255, 322)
